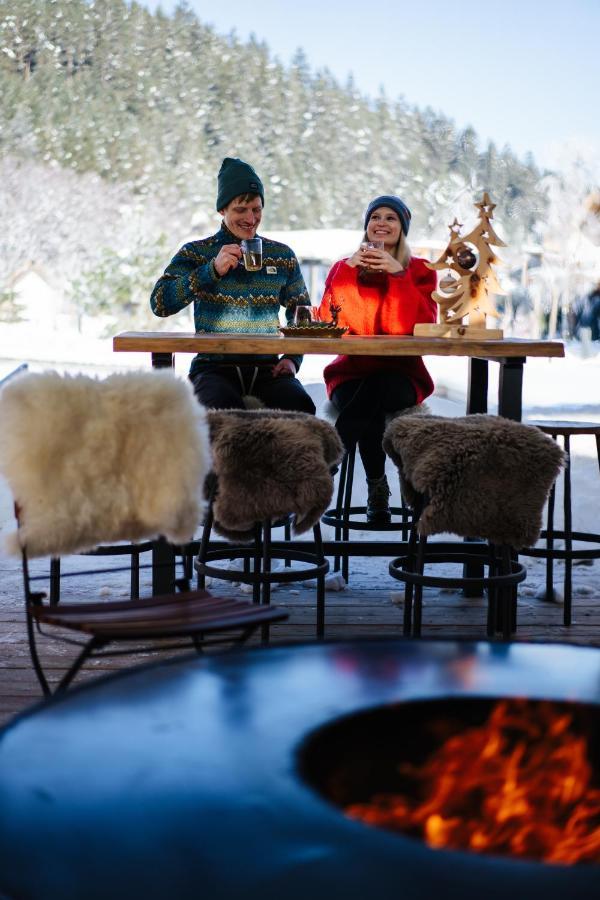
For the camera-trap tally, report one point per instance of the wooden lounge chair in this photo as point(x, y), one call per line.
point(92, 462)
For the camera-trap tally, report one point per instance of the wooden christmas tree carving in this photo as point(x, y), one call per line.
point(467, 290)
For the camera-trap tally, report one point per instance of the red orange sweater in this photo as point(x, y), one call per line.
point(394, 309)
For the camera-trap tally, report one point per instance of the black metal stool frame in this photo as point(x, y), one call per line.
point(550, 534)
point(341, 516)
point(505, 573)
point(261, 555)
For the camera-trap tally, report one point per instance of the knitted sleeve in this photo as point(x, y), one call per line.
point(188, 273)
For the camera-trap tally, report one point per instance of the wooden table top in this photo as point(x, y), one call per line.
point(350, 344)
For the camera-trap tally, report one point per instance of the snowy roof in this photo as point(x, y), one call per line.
point(25, 272)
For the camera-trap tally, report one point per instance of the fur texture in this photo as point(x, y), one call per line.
point(421, 409)
point(270, 464)
point(92, 462)
point(482, 476)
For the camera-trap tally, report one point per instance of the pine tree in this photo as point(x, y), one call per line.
point(145, 106)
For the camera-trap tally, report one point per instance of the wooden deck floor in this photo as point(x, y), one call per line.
point(371, 605)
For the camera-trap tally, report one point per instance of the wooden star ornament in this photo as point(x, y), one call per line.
point(465, 295)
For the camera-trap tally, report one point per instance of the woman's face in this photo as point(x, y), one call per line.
point(384, 225)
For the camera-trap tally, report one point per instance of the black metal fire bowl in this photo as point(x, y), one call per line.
point(180, 780)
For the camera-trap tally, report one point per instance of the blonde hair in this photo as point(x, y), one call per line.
point(401, 251)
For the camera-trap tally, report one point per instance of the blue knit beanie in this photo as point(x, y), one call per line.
point(236, 178)
point(394, 203)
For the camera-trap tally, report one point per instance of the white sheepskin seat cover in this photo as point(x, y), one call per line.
point(95, 461)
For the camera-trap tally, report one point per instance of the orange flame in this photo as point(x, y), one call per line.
point(520, 784)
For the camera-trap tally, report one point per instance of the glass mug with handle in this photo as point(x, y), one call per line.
point(252, 254)
point(371, 276)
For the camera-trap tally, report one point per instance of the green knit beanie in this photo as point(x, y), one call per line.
point(236, 178)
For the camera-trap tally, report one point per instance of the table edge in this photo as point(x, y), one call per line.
point(175, 342)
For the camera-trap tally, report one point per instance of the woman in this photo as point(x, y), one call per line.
point(380, 291)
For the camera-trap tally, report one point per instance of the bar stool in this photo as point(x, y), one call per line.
point(473, 475)
point(258, 559)
point(344, 517)
point(191, 549)
point(268, 465)
point(565, 430)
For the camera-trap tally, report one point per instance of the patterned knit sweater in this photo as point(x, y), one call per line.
point(238, 302)
point(394, 308)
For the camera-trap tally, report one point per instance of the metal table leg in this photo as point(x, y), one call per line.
point(163, 360)
point(510, 405)
point(163, 567)
point(477, 390)
point(510, 388)
point(163, 556)
point(477, 402)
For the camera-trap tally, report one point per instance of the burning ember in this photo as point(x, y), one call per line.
point(520, 784)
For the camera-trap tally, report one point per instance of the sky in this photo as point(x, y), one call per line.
point(526, 73)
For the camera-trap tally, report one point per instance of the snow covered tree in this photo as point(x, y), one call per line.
point(143, 106)
point(570, 235)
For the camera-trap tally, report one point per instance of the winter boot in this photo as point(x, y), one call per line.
point(378, 500)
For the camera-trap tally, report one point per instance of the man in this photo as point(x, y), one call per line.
point(227, 298)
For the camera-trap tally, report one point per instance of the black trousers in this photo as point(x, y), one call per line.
point(223, 386)
point(364, 405)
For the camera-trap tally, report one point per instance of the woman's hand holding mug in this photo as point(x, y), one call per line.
point(377, 259)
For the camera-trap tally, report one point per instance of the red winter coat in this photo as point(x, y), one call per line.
point(393, 309)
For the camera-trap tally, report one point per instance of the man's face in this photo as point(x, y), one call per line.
point(243, 216)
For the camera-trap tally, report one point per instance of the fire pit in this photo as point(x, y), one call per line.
point(510, 777)
point(243, 775)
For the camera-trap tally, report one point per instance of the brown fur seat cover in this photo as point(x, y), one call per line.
point(482, 476)
point(269, 464)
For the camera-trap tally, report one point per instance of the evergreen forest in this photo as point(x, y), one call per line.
point(114, 121)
